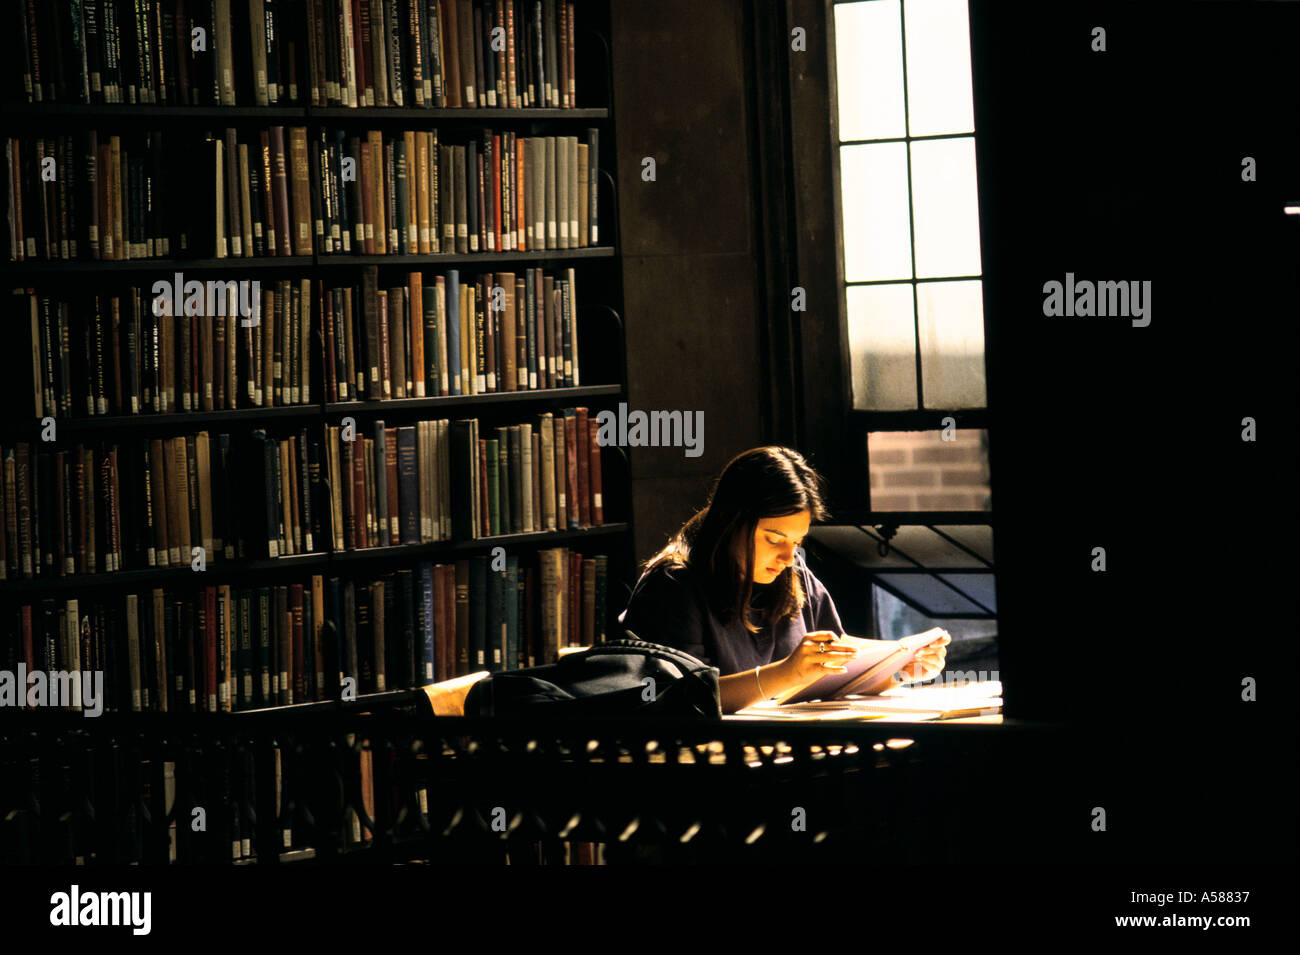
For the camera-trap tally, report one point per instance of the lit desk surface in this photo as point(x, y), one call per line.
point(967, 701)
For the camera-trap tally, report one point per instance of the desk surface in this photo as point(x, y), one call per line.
point(969, 701)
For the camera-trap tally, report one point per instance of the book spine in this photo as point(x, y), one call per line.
point(594, 470)
point(582, 453)
point(302, 225)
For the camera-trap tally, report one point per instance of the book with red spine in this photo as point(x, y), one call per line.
point(574, 507)
point(594, 472)
point(582, 452)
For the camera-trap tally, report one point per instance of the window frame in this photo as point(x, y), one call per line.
point(862, 421)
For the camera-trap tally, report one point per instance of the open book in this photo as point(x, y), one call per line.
point(870, 671)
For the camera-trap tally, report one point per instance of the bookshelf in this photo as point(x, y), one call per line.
point(305, 652)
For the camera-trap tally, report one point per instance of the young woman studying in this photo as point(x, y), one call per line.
point(731, 589)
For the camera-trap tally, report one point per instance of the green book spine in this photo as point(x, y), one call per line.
point(512, 587)
point(503, 470)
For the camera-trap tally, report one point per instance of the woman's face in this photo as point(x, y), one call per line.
point(775, 539)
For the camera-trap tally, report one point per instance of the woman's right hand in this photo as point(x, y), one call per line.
point(816, 655)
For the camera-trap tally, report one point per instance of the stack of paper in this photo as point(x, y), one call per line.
point(944, 698)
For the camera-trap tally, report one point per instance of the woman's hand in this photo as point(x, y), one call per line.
point(927, 662)
point(815, 656)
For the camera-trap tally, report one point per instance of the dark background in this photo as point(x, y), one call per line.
point(1127, 164)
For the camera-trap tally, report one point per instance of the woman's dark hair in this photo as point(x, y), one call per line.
point(717, 544)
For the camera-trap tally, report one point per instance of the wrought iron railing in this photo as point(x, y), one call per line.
point(380, 780)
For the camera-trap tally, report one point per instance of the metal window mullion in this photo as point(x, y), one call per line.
point(911, 218)
point(957, 543)
point(930, 280)
point(902, 139)
point(920, 569)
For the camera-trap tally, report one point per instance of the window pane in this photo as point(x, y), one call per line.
point(938, 68)
point(945, 210)
point(919, 471)
point(882, 347)
point(873, 209)
point(974, 644)
point(952, 344)
point(869, 69)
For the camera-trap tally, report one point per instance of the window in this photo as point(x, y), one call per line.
point(911, 275)
point(908, 204)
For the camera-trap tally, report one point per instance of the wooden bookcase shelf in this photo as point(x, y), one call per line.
point(295, 563)
point(109, 112)
point(304, 262)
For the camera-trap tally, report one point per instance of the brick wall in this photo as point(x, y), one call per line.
point(917, 471)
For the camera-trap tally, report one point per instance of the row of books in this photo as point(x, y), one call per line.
point(501, 332)
point(106, 196)
point(422, 53)
point(225, 344)
point(174, 52)
point(527, 478)
point(412, 193)
point(223, 648)
point(112, 197)
point(258, 195)
point(234, 345)
point(174, 501)
point(392, 486)
point(151, 503)
point(442, 53)
point(405, 193)
point(91, 197)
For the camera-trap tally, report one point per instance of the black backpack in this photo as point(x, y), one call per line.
point(604, 680)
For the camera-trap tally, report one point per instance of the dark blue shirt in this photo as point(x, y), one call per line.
point(667, 606)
